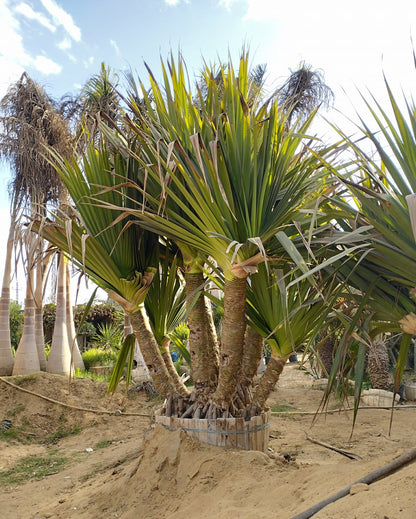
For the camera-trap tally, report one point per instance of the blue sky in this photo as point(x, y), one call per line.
point(61, 43)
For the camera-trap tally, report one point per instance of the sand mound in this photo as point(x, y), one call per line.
point(125, 467)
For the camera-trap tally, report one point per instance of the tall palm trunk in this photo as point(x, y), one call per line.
point(27, 359)
point(6, 354)
point(60, 356)
point(76, 357)
point(151, 353)
point(203, 350)
point(232, 341)
point(38, 300)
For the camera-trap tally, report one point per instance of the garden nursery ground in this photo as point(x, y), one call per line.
point(63, 462)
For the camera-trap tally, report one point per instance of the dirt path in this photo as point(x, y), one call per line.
point(118, 466)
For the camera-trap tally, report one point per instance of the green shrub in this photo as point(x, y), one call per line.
point(99, 357)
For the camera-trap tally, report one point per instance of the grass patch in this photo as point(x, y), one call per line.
point(283, 408)
point(32, 467)
point(103, 444)
point(19, 434)
point(20, 380)
point(63, 433)
point(18, 409)
point(80, 373)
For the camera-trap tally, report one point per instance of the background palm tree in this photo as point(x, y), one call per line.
point(382, 184)
point(30, 125)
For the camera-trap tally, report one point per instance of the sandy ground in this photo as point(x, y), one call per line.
point(122, 466)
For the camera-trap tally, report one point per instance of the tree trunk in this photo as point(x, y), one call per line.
point(267, 383)
point(38, 299)
point(27, 359)
point(232, 341)
point(325, 353)
point(6, 354)
point(151, 353)
point(180, 387)
point(378, 364)
point(137, 356)
point(76, 357)
point(204, 356)
point(253, 349)
point(60, 356)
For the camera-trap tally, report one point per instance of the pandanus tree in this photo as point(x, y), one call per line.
point(230, 176)
point(383, 185)
point(121, 258)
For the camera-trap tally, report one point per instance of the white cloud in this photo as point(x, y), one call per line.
point(65, 44)
point(61, 17)
point(172, 2)
point(88, 62)
point(13, 57)
point(227, 3)
point(26, 10)
point(115, 47)
point(10, 73)
point(46, 65)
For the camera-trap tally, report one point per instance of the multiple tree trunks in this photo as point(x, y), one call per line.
point(234, 432)
point(246, 403)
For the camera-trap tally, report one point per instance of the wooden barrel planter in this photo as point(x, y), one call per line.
point(236, 433)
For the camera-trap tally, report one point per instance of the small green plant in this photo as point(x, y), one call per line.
point(98, 357)
point(103, 444)
point(32, 467)
point(179, 338)
point(63, 433)
point(47, 350)
point(109, 337)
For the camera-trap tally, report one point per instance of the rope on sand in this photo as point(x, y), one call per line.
point(77, 408)
point(332, 411)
